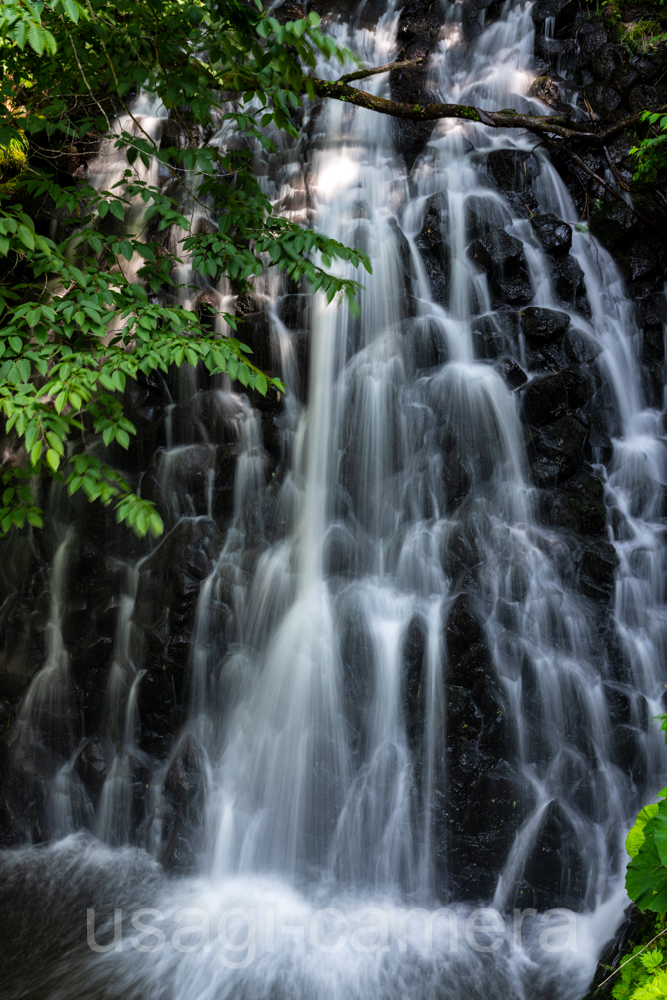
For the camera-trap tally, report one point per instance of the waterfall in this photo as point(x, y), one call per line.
point(390, 640)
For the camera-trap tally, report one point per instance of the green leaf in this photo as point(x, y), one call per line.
point(635, 838)
point(26, 237)
point(53, 458)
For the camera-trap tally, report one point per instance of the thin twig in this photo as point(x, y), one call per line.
point(83, 75)
point(614, 170)
point(140, 126)
point(630, 959)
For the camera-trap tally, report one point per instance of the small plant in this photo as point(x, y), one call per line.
point(651, 152)
point(643, 977)
point(642, 36)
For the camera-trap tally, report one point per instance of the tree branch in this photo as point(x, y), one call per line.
point(537, 124)
point(361, 74)
point(540, 125)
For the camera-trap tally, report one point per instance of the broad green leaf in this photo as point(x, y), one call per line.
point(635, 838)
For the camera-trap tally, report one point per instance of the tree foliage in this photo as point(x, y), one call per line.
point(90, 297)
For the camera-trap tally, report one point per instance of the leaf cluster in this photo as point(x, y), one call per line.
point(91, 297)
point(651, 151)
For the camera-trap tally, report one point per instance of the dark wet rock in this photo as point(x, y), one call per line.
point(94, 761)
point(434, 250)
point(564, 12)
point(612, 222)
point(414, 648)
point(170, 578)
point(184, 794)
point(554, 235)
point(428, 344)
point(492, 334)
point(418, 32)
point(606, 61)
point(592, 35)
point(644, 97)
point(484, 214)
point(16, 669)
point(603, 99)
point(651, 312)
point(569, 284)
point(580, 507)
point(546, 398)
point(559, 444)
point(513, 170)
point(545, 89)
point(556, 870)
point(637, 260)
point(619, 703)
point(511, 372)
point(598, 444)
point(579, 347)
point(292, 311)
point(462, 629)
point(502, 257)
point(459, 553)
point(456, 478)
point(540, 323)
point(597, 570)
point(406, 296)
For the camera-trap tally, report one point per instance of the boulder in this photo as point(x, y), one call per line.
point(513, 169)
point(597, 570)
point(611, 223)
point(563, 11)
point(414, 647)
point(540, 323)
point(456, 478)
point(638, 260)
point(554, 235)
point(579, 347)
point(569, 284)
point(434, 249)
point(580, 507)
point(484, 213)
point(643, 97)
point(94, 761)
point(492, 334)
point(552, 396)
point(545, 89)
point(511, 372)
point(556, 874)
point(559, 444)
point(183, 802)
point(405, 261)
point(503, 259)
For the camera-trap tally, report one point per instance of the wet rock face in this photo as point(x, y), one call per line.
point(554, 235)
point(432, 245)
point(512, 169)
point(544, 324)
point(487, 799)
point(546, 398)
point(418, 31)
point(503, 259)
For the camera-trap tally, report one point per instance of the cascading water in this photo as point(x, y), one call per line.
point(327, 679)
